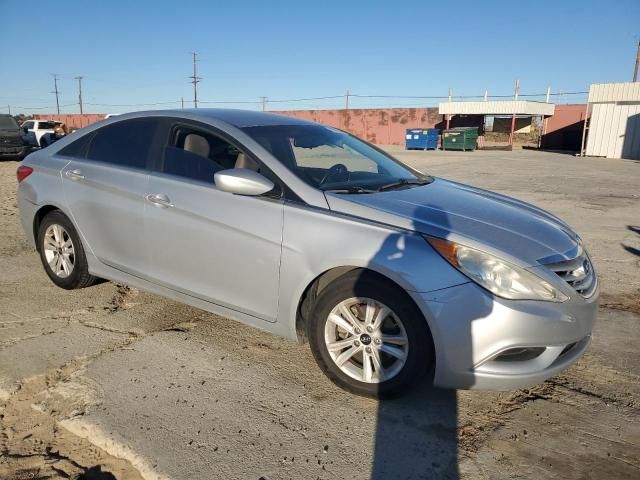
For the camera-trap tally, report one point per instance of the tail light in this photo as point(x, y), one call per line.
point(23, 172)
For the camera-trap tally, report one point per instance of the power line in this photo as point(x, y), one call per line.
point(44, 108)
point(262, 101)
point(130, 104)
point(286, 100)
point(229, 102)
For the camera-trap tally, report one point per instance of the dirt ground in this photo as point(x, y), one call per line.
point(110, 382)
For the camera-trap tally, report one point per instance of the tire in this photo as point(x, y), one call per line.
point(54, 226)
point(359, 290)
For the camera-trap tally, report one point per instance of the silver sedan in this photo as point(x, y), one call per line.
point(308, 232)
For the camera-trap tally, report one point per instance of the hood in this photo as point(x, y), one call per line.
point(10, 131)
point(507, 227)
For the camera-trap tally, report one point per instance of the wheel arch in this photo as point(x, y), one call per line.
point(321, 281)
point(37, 220)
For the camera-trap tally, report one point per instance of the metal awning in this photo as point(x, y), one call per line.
point(506, 107)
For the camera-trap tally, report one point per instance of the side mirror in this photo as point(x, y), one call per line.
point(242, 181)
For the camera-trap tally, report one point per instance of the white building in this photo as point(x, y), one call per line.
point(614, 125)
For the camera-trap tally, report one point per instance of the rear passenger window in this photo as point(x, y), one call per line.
point(125, 143)
point(77, 149)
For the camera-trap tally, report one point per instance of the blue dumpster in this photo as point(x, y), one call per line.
point(421, 138)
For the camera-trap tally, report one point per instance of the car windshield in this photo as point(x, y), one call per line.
point(8, 123)
point(332, 160)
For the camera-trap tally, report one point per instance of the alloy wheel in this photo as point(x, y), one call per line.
point(366, 340)
point(59, 250)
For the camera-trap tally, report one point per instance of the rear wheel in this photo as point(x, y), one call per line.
point(62, 253)
point(368, 336)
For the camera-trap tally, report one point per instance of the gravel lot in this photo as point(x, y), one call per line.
point(110, 382)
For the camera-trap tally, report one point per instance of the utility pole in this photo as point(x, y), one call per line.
point(264, 103)
point(80, 93)
point(55, 90)
point(447, 117)
point(195, 79)
point(9, 107)
point(182, 102)
point(346, 106)
point(635, 70)
point(516, 92)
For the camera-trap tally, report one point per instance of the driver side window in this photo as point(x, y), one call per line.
point(197, 155)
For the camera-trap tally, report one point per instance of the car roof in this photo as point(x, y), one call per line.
point(244, 118)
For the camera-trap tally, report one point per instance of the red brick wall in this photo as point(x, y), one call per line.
point(564, 129)
point(384, 126)
point(72, 120)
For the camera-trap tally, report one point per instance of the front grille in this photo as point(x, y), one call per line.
point(12, 141)
point(577, 272)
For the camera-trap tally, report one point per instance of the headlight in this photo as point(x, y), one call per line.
point(499, 277)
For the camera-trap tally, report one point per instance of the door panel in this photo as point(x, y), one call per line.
point(214, 245)
point(107, 205)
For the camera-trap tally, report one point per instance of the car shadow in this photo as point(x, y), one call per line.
point(632, 250)
point(416, 434)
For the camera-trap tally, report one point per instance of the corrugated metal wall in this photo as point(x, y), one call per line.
point(614, 128)
point(614, 131)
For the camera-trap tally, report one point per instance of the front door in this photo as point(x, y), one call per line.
point(213, 245)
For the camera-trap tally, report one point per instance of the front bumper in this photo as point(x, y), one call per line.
point(13, 151)
point(475, 335)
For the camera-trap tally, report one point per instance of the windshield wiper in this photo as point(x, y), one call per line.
point(352, 190)
point(402, 183)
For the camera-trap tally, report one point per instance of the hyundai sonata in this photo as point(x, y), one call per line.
point(308, 232)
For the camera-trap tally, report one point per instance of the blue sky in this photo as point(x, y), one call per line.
point(138, 51)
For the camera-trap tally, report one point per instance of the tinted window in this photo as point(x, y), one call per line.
point(77, 149)
point(46, 125)
point(124, 143)
point(198, 155)
point(27, 125)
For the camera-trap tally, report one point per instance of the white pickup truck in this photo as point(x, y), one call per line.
point(34, 130)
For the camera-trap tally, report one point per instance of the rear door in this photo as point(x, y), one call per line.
point(104, 184)
point(214, 245)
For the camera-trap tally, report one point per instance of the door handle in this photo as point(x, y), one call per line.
point(159, 199)
point(74, 174)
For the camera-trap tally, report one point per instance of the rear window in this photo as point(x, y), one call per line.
point(46, 126)
point(77, 149)
point(124, 143)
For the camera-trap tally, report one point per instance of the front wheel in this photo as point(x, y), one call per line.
point(369, 337)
